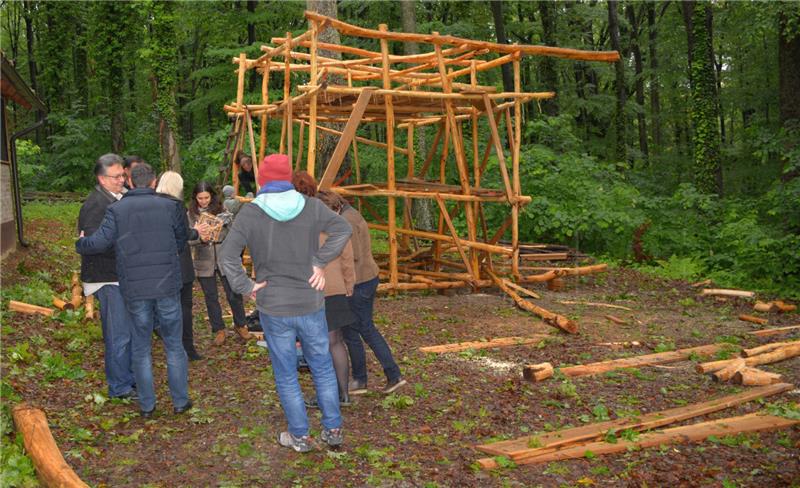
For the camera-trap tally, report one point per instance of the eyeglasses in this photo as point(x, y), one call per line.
point(116, 177)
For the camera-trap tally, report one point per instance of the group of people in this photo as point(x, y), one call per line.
point(314, 283)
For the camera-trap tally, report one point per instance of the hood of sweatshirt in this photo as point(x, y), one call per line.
point(283, 206)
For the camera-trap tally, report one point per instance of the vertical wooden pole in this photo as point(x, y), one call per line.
point(312, 107)
point(237, 147)
point(239, 104)
point(515, 169)
point(437, 246)
point(252, 145)
point(299, 146)
point(262, 143)
point(287, 94)
point(476, 164)
point(240, 81)
point(458, 149)
point(409, 174)
point(390, 183)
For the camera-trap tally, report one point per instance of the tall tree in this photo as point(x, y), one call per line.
point(655, 99)
point(500, 31)
point(547, 65)
point(620, 146)
point(789, 77)
point(251, 39)
point(163, 57)
point(635, 22)
point(704, 105)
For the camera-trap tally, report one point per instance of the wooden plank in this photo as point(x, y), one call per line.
point(517, 448)
point(775, 331)
point(556, 320)
point(346, 138)
point(41, 447)
point(492, 343)
point(755, 422)
point(639, 361)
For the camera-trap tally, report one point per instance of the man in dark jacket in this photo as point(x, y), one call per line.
point(99, 276)
point(281, 227)
point(147, 232)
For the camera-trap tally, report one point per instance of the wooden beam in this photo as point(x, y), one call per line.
point(645, 360)
point(487, 344)
point(345, 139)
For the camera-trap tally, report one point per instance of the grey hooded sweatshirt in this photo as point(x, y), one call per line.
point(282, 230)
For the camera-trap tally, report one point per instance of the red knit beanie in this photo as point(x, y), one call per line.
point(275, 167)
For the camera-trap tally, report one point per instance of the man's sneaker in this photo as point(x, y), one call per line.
point(356, 387)
point(333, 437)
point(394, 385)
point(299, 444)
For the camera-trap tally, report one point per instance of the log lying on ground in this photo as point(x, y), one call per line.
point(701, 283)
point(50, 465)
point(521, 289)
point(616, 320)
point(537, 372)
point(753, 319)
point(556, 320)
point(645, 360)
point(23, 307)
point(779, 354)
point(774, 306)
point(61, 304)
point(726, 373)
point(775, 331)
point(496, 342)
point(754, 422)
point(755, 351)
point(549, 441)
point(77, 291)
point(721, 292)
point(558, 272)
point(755, 377)
point(594, 304)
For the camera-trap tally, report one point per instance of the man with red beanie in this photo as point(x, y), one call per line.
point(281, 228)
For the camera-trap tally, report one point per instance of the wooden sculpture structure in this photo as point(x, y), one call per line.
point(409, 93)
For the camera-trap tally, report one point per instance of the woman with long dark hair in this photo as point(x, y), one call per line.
point(207, 268)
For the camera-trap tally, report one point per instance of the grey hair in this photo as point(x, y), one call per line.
point(142, 175)
point(106, 161)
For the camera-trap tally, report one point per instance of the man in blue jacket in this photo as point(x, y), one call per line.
point(146, 233)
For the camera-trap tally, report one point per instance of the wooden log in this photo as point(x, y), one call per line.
point(616, 320)
point(521, 289)
point(776, 331)
point(492, 343)
point(720, 292)
point(779, 354)
point(765, 307)
point(537, 372)
point(556, 284)
point(77, 291)
point(726, 373)
point(518, 448)
point(755, 351)
point(556, 320)
point(755, 422)
point(638, 361)
point(784, 307)
point(61, 304)
point(52, 469)
point(89, 307)
point(23, 307)
point(753, 319)
point(558, 272)
point(755, 377)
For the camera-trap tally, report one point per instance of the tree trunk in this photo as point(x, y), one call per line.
point(164, 69)
point(29, 41)
point(620, 147)
point(788, 83)
point(547, 65)
point(421, 209)
point(255, 82)
point(704, 105)
point(655, 102)
point(641, 121)
point(500, 31)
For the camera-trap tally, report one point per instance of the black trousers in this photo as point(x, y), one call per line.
point(209, 285)
point(187, 336)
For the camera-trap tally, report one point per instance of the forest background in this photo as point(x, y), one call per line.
point(681, 160)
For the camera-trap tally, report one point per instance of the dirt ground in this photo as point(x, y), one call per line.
point(424, 434)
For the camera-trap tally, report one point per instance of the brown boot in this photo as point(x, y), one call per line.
point(243, 333)
point(219, 338)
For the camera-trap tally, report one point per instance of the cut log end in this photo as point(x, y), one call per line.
point(537, 372)
point(726, 373)
point(62, 305)
point(755, 377)
point(487, 463)
point(556, 284)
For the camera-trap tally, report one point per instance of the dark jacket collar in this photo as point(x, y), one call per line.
point(139, 191)
point(107, 194)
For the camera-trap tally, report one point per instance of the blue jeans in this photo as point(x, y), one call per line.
point(364, 328)
point(167, 311)
point(117, 325)
point(281, 334)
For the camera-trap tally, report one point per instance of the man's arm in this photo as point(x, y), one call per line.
point(102, 240)
point(180, 226)
point(338, 230)
point(231, 261)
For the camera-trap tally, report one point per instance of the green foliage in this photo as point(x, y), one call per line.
point(17, 469)
point(36, 292)
point(398, 402)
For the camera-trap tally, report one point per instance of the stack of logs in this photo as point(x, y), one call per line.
point(740, 370)
point(58, 303)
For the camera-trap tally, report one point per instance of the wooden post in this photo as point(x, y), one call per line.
point(390, 183)
point(312, 108)
point(252, 145)
point(287, 93)
point(77, 291)
point(299, 146)
point(409, 174)
point(262, 148)
point(437, 246)
point(240, 84)
point(515, 169)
